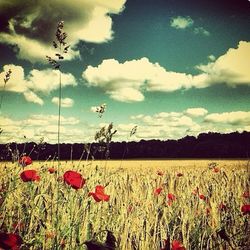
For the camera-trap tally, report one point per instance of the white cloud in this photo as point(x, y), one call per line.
point(31, 49)
point(231, 68)
point(232, 118)
point(201, 30)
point(36, 81)
point(32, 97)
point(175, 125)
point(16, 82)
point(65, 102)
point(126, 95)
point(52, 119)
point(36, 126)
point(196, 112)
point(161, 125)
point(181, 22)
point(48, 80)
point(184, 22)
point(32, 29)
point(211, 57)
point(127, 81)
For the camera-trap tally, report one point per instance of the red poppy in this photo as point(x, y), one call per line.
point(158, 191)
point(99, 194)
point(160, 173)
point(245, 209)
point(29, 175)
point(63, 243)
point(216, 170)
point(171, 197)
point(222, 207)
point(179, 174)
point(176, 245)
point(52, 170)
point(208, 211)
point(130, 208)
point(74, 179)
point(10, 241)
point(25, 161)
point(246, 195)
point(203, 197)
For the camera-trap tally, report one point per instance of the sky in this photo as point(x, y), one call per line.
point(170, 67)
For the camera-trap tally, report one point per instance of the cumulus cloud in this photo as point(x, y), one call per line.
point(31, 26)
point(230, 68)
point(32, 97)
point(196, 112)
point(161, 125)
point(47, 80)
point(65, 102)
point(181, 22)
point(35, 82)
point(175, 125)
point(127, 81)
point(165, 125)
point(36, 126)
point(31, 49)
point(232, 118)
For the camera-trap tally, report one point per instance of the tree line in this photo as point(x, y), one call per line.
point(205, 145)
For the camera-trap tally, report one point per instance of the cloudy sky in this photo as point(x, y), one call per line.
point(172, 68)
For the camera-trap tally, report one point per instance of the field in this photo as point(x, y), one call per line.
point(147, 205)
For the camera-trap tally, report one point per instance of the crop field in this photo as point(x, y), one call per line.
point(127, 205)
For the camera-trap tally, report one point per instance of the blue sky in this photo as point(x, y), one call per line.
point(172, 68)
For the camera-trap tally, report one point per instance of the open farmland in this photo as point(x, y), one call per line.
point(151, 204)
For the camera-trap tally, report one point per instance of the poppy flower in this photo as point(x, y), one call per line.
point(208, 211)
point(99, 194)
point(160, 173)
point(29, 175)
point(179, 174)
point(158, 191)
point(203, 197)
point(52, 170)
point(222, 207)
point(171, 197)
point(25, 161)
point(245, 209)
point(130, 208)
point(74, 179)
point(62, 243)
point(246, 195)
point(216, 170)
point(10, 241)
point(176, 245)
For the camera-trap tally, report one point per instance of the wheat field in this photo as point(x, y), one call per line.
point(195, 202)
